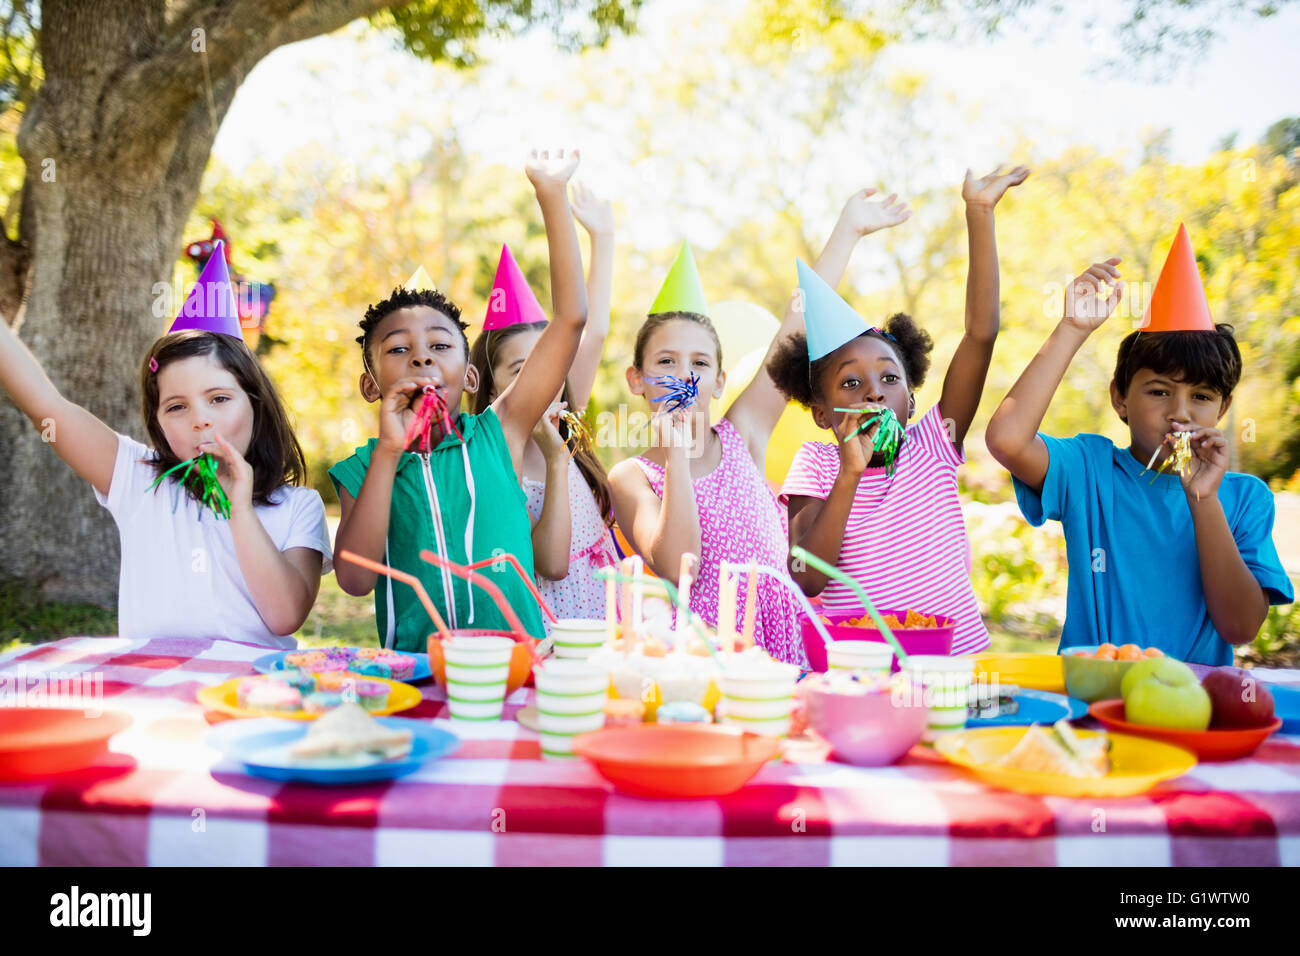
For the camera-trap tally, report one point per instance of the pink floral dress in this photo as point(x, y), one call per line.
point(740, 522)
point(578, 595)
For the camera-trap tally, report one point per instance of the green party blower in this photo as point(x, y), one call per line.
point(799, 554)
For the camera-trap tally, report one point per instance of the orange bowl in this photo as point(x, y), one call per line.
point(1206, 744)
point(675, 761)
point(38, 741)
point(521, 661)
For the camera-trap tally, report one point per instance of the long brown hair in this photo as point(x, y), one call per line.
point(481, 357)
point(274, 452)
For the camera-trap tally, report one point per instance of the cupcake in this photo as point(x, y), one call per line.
point(334, 681)
point(332, 665)
point(321, 701)
point(371, 694)
point(682, 712)
point(400, 666)
point(624, 713)
point(301, 681)
point(304, 660)
point(367, 653)
point(369, 667)
point(273, 695)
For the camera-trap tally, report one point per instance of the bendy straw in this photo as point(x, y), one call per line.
point(831, 571)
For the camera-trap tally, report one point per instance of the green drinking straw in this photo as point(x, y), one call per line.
point(829, 570)
point(608, 574)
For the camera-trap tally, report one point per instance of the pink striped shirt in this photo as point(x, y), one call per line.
point(905, 541)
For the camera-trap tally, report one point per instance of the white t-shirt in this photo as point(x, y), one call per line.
point(180, 575)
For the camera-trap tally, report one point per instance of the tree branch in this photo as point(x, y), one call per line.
point(235, 37)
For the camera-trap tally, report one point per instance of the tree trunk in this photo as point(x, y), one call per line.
point(115, 144)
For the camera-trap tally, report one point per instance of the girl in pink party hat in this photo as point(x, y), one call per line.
point(218, 540)
point(568, 491)
point(700, 488)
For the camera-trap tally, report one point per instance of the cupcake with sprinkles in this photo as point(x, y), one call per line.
point(400, 666)
point(371, 694)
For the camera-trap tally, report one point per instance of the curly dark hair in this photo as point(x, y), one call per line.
point(401, 299)
point(1209, 358)
point(794, 377)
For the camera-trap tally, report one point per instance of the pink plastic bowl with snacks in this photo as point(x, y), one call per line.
point(924, 640)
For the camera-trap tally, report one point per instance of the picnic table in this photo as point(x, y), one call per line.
point(165, 798)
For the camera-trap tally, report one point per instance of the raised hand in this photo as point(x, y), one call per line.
point(234, 473)
point(549, 173)
point(547, 432)
point(1087, 305)
point(987, 190)
point(856, 453)
point(1209, 462)
point(595, 214)
point(865, 215)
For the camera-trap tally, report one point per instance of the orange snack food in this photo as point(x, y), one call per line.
point(1129, 652)
point(913, 621)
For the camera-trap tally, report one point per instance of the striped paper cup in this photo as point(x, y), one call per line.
point(477, 671)
point(571, 697)
point(577, 639)
point(946, 682)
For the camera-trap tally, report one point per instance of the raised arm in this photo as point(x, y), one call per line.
point(758, 408)
point(78, 437)
point(1012, 434)
point(597, 217)
point(526, 399)
point(964, 382)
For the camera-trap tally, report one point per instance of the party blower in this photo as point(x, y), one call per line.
point(799, 554)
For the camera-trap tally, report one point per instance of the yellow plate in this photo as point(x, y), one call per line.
point(1137, 764)
point(1033, 671)
point(225, 698)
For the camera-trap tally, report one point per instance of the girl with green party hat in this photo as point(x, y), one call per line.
point(699, 488)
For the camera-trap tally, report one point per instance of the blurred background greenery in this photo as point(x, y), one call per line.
point(802, 107)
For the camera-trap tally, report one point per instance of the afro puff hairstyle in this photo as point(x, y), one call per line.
point(795, 378)
point(404, 298)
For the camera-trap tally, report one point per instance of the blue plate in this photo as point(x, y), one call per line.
point(1036, 707)
point(1286, 704)
point(271, 663)
point(260, 747)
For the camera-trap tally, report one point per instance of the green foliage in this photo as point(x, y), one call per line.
point(26, 619)
point(1018, 573)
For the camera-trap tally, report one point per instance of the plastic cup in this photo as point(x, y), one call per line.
point(577, 639)
point(946, 684)
point(477, 670)
point(758, 697)
point(871, 657)
point(571, 697)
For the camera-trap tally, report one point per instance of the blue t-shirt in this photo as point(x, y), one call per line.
point(1134, 572)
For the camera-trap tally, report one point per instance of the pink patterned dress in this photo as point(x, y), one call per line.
point(579, 595)
point(740, 522)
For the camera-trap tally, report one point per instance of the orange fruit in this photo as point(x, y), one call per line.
point(1107, 652)
point(1153, 652)
point(1129, 652)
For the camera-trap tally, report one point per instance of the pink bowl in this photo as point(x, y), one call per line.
point(869, 731)
point(925, 640)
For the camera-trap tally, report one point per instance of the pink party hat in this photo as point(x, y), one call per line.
point(512, 300)
point(210, 306)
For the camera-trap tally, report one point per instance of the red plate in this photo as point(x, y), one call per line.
point(1206, 744)
point(676, 761)
point(39, 741)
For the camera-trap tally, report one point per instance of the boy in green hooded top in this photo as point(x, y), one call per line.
point(461, 500)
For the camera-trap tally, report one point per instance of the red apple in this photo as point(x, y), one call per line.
point(1237, 699)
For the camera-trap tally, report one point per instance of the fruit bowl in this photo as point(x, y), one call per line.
point(521, 659)
point(676, 761)
point(868, 730)
point(915, 640)
point(1206, 744)
point(1089, 678)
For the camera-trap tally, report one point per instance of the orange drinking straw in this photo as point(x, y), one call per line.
point(526, 578)
point(493, 591)
point(405, 578)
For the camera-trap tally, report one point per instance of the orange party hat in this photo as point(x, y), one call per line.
point(1178, 301)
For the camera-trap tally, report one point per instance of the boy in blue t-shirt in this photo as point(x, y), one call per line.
point(1185, 563)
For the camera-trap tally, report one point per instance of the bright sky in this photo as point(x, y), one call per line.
point(1047, 84)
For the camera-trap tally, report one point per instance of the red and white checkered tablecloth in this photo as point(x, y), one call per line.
point(496, 802)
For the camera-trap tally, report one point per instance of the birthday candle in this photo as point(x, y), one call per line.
point(727, 609)
point(751, 603)
point(611, 613)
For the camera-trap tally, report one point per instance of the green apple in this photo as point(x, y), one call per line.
point(1162, 692)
